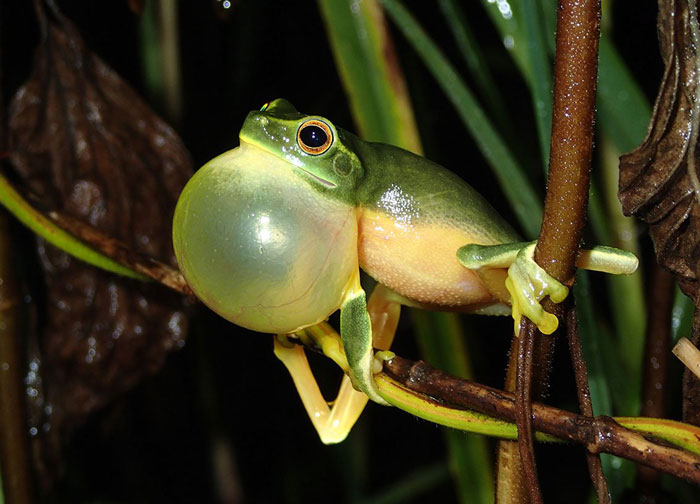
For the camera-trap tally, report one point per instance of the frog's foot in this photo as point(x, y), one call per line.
point(333, 423)
point(527, 283)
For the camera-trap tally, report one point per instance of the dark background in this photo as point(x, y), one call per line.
point(225, 391)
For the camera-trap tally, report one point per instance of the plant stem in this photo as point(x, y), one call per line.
point(523, 401)
point(599, 435)
point(575, 72)
point(595, 466)
point(14, 449)
point(656, 354)
point(15, 484)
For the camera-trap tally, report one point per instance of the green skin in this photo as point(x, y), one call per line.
point(363, 188)
point(362, 172)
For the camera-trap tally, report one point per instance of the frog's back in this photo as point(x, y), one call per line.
point(414, 215)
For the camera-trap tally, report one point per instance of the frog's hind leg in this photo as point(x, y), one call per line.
point(332, 423)
point(384, 310)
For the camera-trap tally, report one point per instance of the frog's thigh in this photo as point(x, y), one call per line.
point(332, 424)
point(384, 312)
point(494, 279)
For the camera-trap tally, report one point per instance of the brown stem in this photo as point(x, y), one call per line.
point(575, 71)
point(146, 265)
point(656, 355)
point(14, 448)
point(523, 418)
point(511, 487)
point(658, 343)
point(600, 435)
point(595, 467)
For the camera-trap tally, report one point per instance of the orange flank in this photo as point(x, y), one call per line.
point(419, 262)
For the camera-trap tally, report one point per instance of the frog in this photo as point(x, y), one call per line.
point(272, 236)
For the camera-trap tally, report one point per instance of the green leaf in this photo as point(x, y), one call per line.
point(442, 344)
point(623, 111)
point(541, 87)
point(369, 71)
point(597, 345)
point(474, 58)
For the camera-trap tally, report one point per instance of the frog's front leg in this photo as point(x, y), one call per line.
point(528, 284)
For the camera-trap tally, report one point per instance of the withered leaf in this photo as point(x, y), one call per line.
point(86, 145)
point(659, 180)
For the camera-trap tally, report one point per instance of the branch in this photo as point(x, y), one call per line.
point(121, 253)
point(599, 435)
point(88, 243)
point(573, 112)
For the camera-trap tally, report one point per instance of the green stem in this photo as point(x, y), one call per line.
point(56, 236)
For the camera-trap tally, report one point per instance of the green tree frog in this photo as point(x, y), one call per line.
point(271, 236)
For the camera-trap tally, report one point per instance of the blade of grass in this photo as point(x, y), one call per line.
point(526, 205)
point(681, 316)
point(548, 9)
point(540, 87)
point(371, 76)
point(473, 57)
point(626, 292)
point(623, 110)
point(442, 343)
point(160, 57)
point(618, 472)
point(411, 486)
point(513, 39)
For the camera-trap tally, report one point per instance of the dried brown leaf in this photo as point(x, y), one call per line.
point(659, 180)
point(87, 146)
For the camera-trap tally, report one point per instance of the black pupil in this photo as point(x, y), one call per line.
point(313, 136)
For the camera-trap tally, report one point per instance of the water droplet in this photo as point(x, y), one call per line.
point(509, 42)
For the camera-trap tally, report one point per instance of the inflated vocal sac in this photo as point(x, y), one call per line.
point(260, 246)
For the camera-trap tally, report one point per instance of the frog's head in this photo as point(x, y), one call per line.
point(316, 149)
point(266, 233)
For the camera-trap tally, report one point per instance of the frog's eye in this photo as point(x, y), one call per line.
point(314, 137)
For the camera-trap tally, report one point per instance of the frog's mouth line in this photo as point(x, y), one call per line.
point(319, 179)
